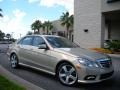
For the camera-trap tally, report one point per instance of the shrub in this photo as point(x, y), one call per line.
point(113, 45)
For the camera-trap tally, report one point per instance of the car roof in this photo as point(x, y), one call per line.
point(43, 35)
point(36, 35)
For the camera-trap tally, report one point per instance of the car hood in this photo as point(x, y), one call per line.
point(81, 52)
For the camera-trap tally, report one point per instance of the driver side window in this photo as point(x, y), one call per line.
point(38, 41)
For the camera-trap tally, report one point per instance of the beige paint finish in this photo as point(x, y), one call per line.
point(48, 59)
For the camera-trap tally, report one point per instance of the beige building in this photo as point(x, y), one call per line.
point(60, 30)
point(96, 21)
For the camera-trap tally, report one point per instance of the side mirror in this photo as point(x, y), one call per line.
point(43, 46)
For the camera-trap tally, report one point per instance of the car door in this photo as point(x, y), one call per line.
point(40, 57)
point(25, 47)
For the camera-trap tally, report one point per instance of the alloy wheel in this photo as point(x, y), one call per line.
point(14, 61)
point(67, 74)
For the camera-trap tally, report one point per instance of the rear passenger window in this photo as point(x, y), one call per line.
point(38, 41)
point(26, 41)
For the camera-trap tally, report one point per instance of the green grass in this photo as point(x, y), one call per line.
point(5, 84)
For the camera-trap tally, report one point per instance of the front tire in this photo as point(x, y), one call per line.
point(67, 74)
point(14, 61)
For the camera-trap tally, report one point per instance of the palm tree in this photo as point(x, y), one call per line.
point(71, 27)
point(43, 27)
point(36, 26)
point(48, 26)
point(1, 13)
point(72, 20)
point(29, 33)
point(2, 35)
point(33, 27)
point(67, 21)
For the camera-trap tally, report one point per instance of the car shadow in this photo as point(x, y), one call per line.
point(104, 85)
point(110, 84)
point(37, 72)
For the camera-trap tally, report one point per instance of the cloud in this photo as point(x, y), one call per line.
point(32, 1)
point(1, 0)
point(67, 4)
point(19, 14)
point(13, 24)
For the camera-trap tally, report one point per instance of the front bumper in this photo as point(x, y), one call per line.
point(94, 75)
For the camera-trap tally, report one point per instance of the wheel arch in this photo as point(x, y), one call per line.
point(13, 53)
point(61, 62)
point(14, 62)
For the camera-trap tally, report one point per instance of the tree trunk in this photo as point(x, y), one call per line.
point(47, 31)
point(34, 31)
point(67, 33)
point(43, 32)
point(38, 31)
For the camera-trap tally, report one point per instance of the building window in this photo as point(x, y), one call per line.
point(111, 1)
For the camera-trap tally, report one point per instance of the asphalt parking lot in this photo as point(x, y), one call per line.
point(49, 82)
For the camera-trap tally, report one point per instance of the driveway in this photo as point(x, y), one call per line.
point(49, 82)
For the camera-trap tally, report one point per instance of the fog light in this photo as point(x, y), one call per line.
point(90, 77)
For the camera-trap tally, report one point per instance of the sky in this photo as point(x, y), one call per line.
point(20, 14)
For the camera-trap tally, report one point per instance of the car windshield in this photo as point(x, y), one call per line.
point(60, 42)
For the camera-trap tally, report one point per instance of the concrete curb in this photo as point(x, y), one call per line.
point(18, 80)
point(114, 55)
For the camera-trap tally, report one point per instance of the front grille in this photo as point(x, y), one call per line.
point(107, 75)
point(105, 63)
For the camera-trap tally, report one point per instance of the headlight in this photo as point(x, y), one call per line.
point(87, 62)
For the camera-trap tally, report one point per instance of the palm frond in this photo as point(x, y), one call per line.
point(1, 15)
point(0, 9)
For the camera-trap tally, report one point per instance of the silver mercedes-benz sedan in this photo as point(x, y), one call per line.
point(61, 57)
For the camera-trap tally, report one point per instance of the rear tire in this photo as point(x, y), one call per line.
point(14, 61)
point(67, 74)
